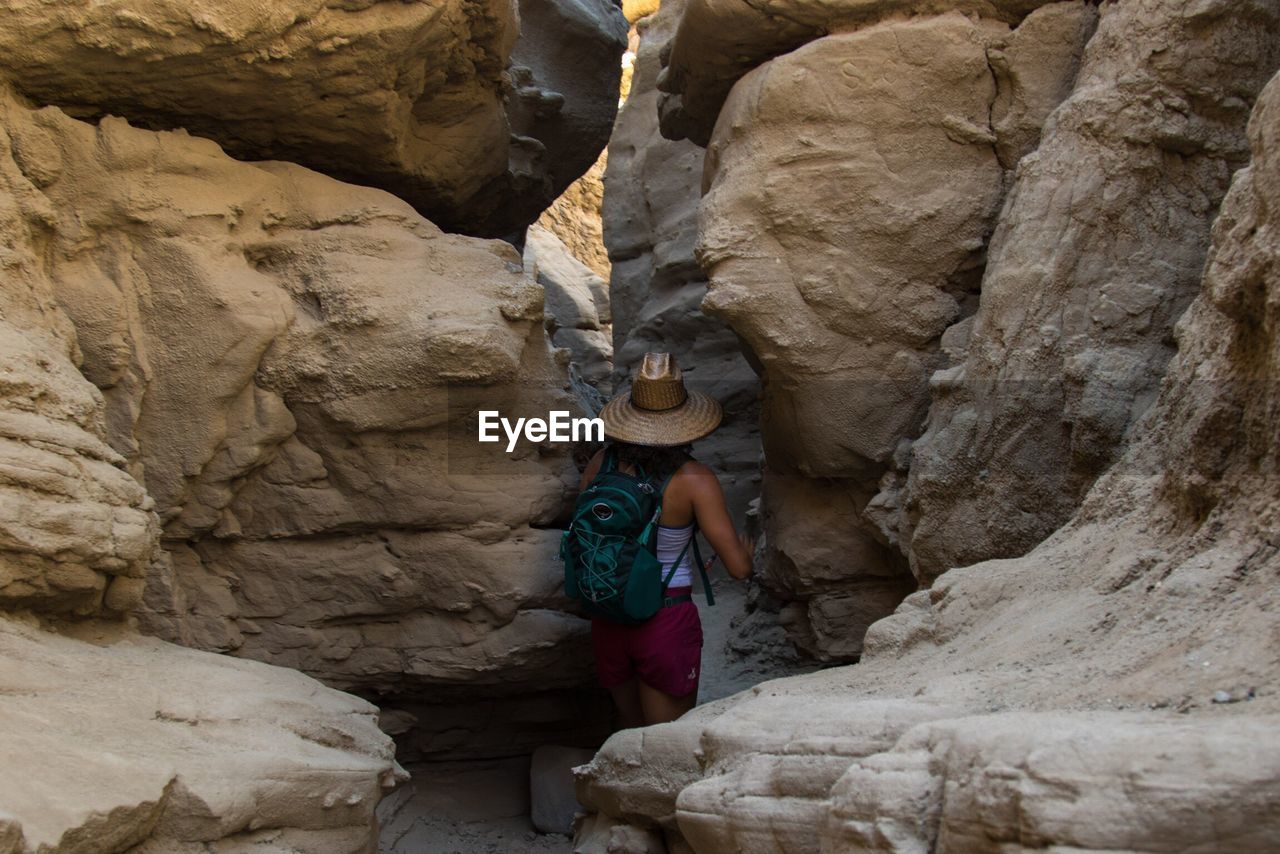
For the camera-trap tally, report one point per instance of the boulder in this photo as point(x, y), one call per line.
point(554, 802)
point(115, 741)
point(414, 98)
point(719, 41)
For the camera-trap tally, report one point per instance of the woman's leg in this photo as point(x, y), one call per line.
point(670, 662)
point(627, 698)
point(660, 707)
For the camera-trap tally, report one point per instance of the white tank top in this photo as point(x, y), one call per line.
point(671, 541)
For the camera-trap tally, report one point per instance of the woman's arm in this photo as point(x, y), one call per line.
point(713, 518)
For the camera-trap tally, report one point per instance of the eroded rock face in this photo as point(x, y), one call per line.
point(851, 186)
point(292, 366)
point(566, 68)
point(719, 41)
point(76, 531)
point(1107, 227)
point(650, 228)
point(413, 98)
point(1122, 661)
point(575, 218)
point(113, 740)
point(576, 306)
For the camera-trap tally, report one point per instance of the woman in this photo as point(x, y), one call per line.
point(652, 669)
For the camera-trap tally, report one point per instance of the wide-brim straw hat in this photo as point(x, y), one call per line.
point(658, 410)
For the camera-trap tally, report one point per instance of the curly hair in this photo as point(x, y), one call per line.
point(653, 461)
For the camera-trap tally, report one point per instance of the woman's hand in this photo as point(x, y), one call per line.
point(712, 516)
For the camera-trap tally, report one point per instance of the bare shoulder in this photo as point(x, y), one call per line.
point(698, 476)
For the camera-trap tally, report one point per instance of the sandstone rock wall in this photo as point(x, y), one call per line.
point(114, 740)
point(578, 315)
point(856, 235)
point(719, 41)
point(1108, 691)
point(76, 531)
point(576, 219)
point(1106, 229)
point(415, 98)
point(851, 186)
point(291, 366)
point(650, 227)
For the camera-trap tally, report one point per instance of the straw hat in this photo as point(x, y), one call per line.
point(658, 410)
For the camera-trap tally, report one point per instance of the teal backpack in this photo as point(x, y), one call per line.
point(608, 548)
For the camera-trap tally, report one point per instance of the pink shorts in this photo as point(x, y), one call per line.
point(665, 651)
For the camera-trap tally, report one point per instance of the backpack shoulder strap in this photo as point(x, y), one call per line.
point(657, 514)
point(610, 461)
point(702, 567)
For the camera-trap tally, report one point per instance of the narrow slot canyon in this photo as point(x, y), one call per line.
point(987, 292)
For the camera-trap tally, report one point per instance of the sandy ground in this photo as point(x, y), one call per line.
point(473, 807)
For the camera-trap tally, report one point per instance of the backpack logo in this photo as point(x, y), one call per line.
point(602, 511)
point(693, 674)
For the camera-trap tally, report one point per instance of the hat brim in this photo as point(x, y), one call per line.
point(698, 416)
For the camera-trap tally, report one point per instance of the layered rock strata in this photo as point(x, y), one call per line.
point(77, 533)
point(292, 367)
point(114, 741)
point(1108, 691)
point(467, 110)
